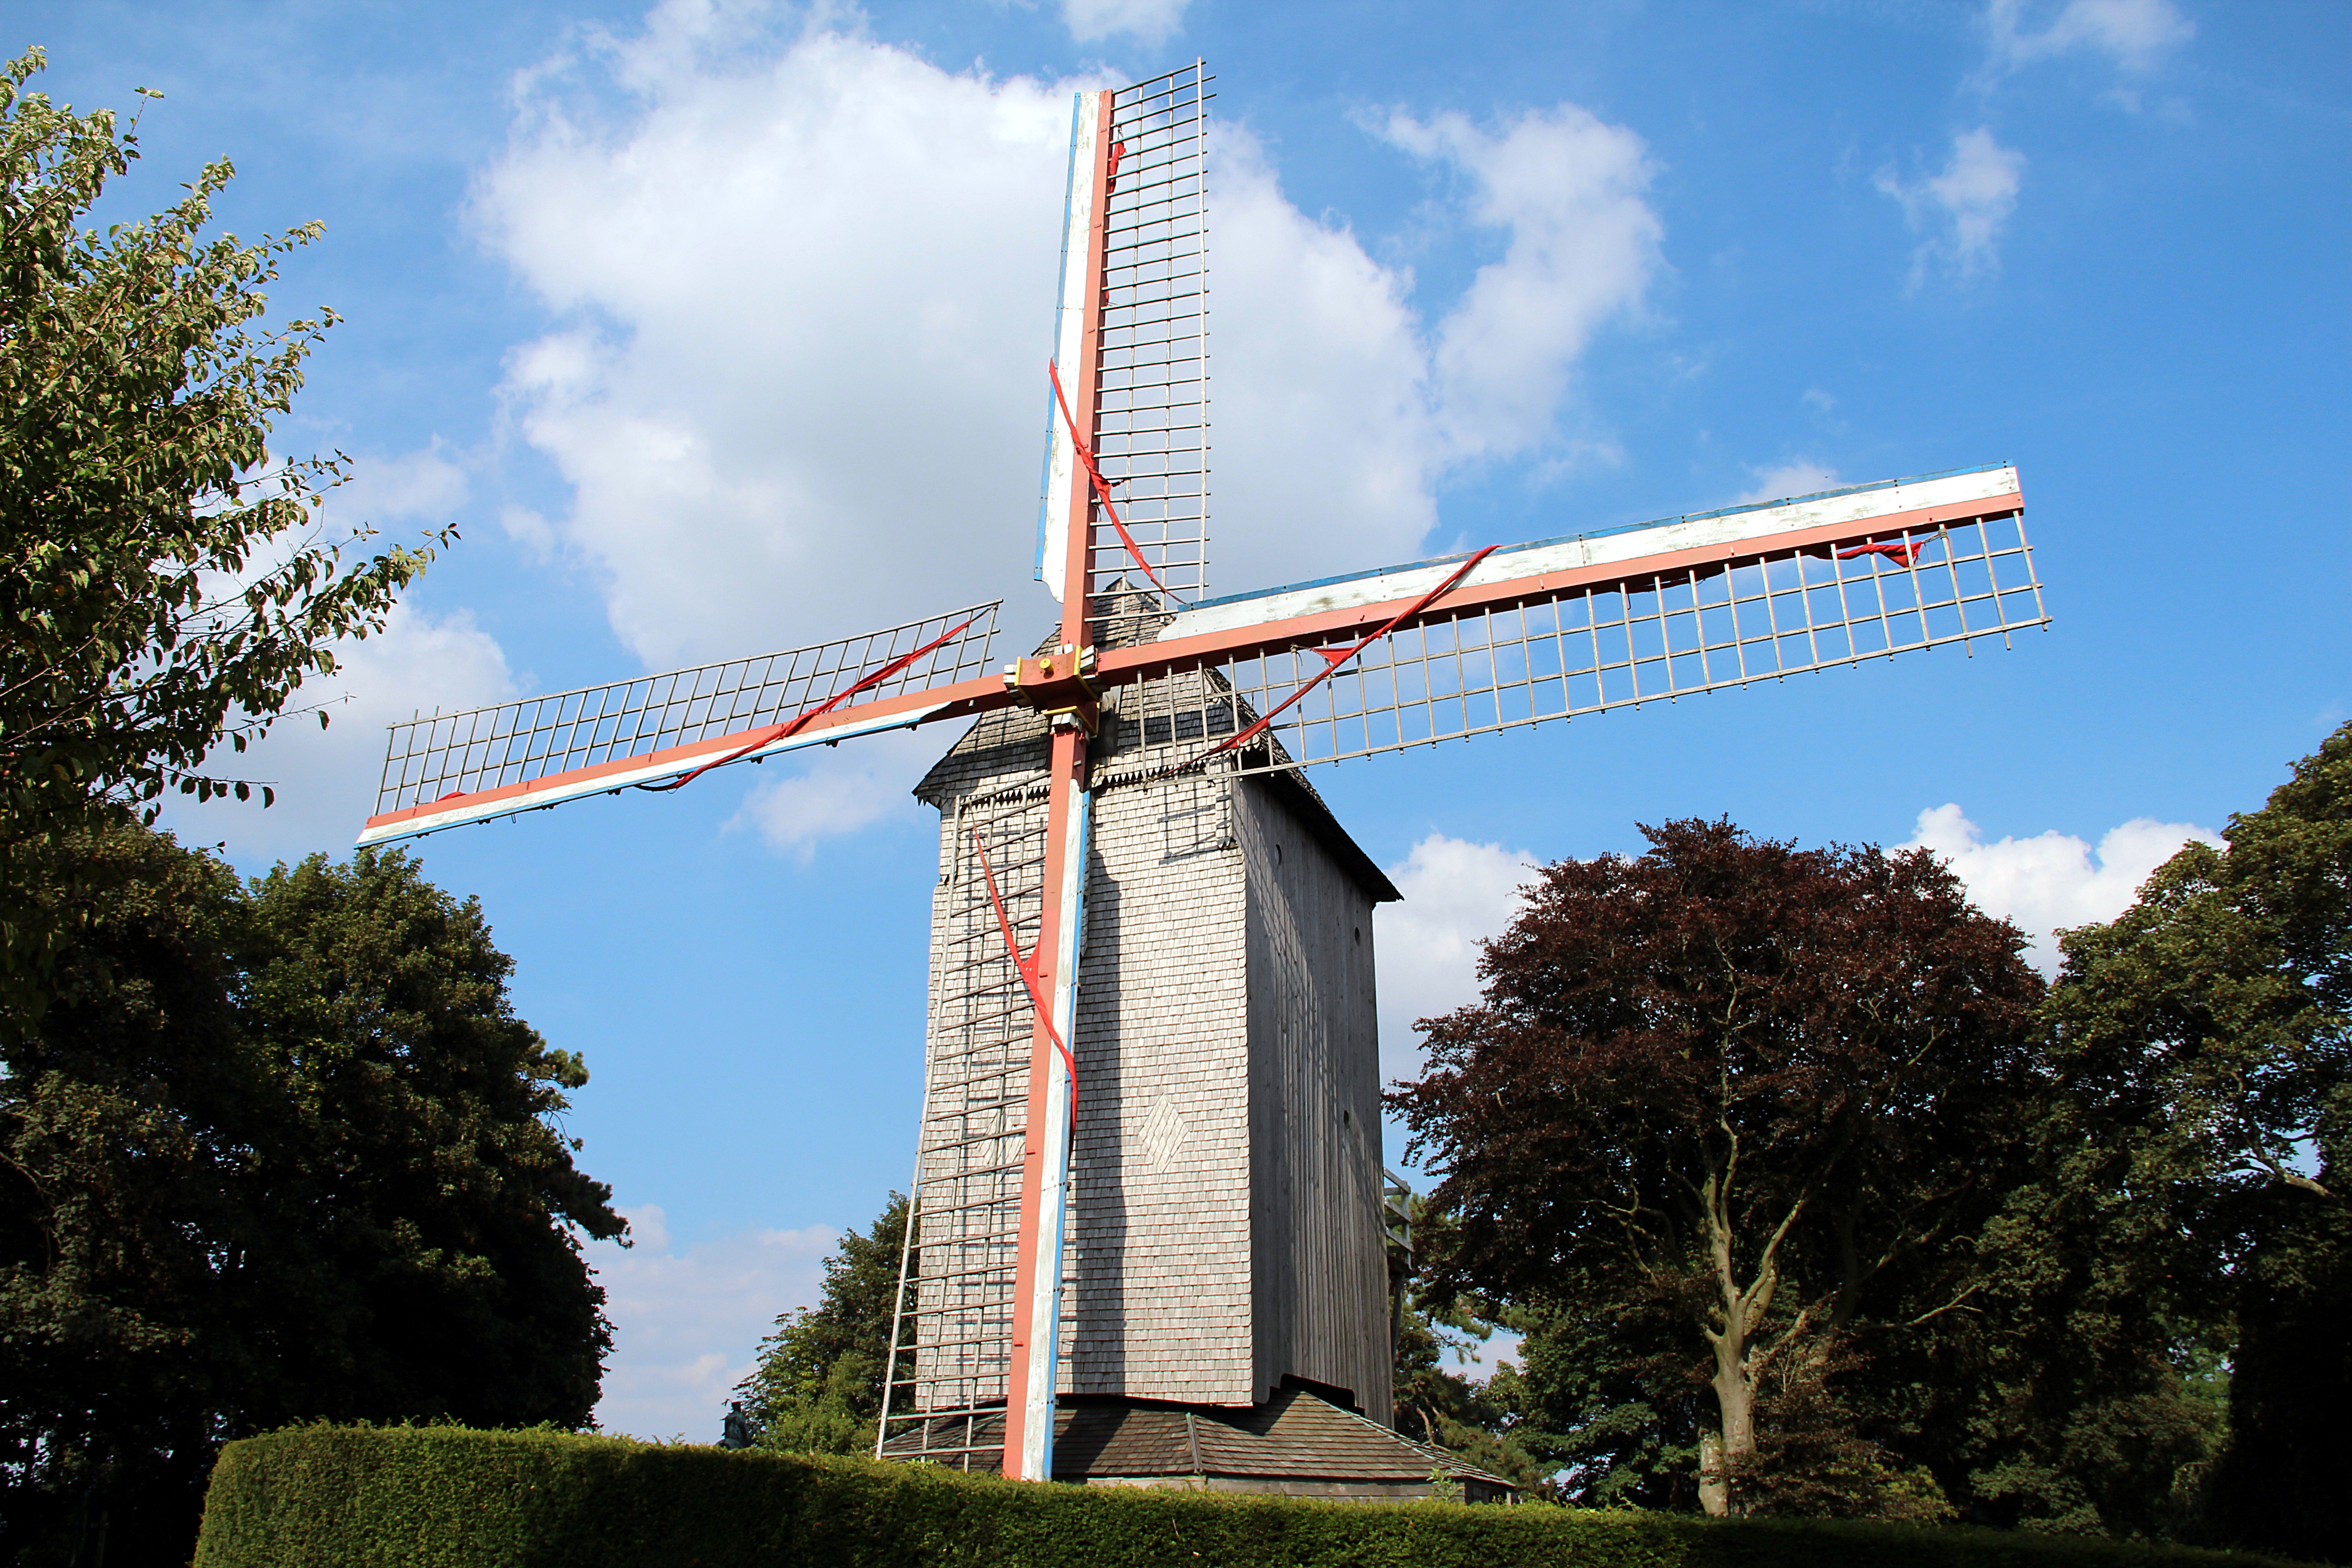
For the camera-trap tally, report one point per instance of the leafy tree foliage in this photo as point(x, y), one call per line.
point(273, 1153)
point(2213, 1018)
point(1724, 1109)
point(163, 582)
point(2202, 1046)
point(2279, 1484)
point(818, 1386)
point(2106, 1270)
point(1480, 1419)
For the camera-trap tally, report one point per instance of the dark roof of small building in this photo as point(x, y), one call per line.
point(1294, 1436)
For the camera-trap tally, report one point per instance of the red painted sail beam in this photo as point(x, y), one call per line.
point(807, 716)
point(1027, 965)
point(1087, 460)
point(1332, 660)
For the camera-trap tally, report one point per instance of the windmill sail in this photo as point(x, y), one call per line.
point(1127, 450)
point(1581, 625)
point(448, 769)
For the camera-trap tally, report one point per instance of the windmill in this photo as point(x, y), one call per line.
point(1149, 685)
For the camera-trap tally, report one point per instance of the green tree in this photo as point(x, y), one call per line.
point(165, 582)
point(430, 1207)
point(1480, 1420)
point(818, 1384)
point(1724, 1113)
point(273, 1153)
point(2202, 1053)
point(1608, 1402)
point(2274, 1488)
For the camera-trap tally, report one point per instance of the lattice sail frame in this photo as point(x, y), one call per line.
point(446, 769)
point(1670, 633)
point(1147, 420)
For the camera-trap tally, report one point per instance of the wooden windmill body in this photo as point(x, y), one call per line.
point(1144, 1017)
point(1225, 1235)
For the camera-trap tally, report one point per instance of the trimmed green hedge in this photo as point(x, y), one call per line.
point(445, 1496)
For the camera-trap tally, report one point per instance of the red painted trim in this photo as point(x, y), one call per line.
point(1120, 665)
point(1332, 661)
point(1068, 771)
point(1077, 578)
point(1027, 967)
point(806, 716)
point(1066, 779)
point(1102, 486)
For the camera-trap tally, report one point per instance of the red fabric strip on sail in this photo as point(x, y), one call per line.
point(1332, 661)
point(1905, 553)
point(793, 725)
point(1028, 968)
point(1102, 488)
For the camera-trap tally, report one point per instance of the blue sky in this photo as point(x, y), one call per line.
point(718, 328)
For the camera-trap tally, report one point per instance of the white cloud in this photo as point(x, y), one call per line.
point(2052, 880)
point(326, 780)
point(1145, 21)
point(831, 793)
point(530, 529)
point(805, 294)
point(1797, 477)
point(1456, 895)
point(687, 1325)
point(1318, 351)
point(2134, 34)
point(419, 484)
point(1962, 209)
point(1582, 249)
point(809, 298)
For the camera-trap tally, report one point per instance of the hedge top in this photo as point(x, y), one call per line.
point(448, 1497)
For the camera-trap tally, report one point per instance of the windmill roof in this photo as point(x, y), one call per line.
point(1295, 1436)
point(1012, 741)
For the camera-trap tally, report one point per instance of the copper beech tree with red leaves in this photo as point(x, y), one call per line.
point(1736, 1086)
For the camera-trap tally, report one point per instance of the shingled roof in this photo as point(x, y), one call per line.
point(1296, 1442)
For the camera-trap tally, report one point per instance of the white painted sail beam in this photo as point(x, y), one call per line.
point(1952, 495)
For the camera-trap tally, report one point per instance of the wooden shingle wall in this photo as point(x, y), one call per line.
point(1160, 1212)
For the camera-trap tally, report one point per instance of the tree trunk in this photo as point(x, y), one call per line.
point(1734, 1401)
point(1714, 1488)
point(1742, 1310)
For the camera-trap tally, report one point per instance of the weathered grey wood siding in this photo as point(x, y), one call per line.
point(1320, 1293)
point(1160, 1217)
